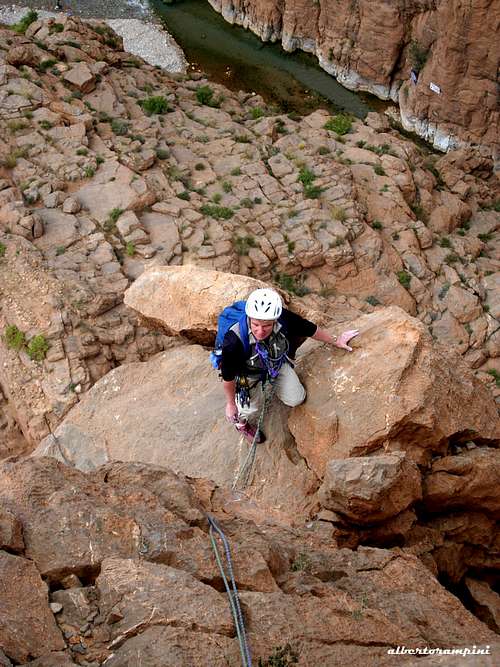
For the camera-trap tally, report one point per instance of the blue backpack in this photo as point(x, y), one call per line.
point(230, 315)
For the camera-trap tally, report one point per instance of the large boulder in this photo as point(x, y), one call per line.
point(170, 411)
point(186, 299)
point(27, 626)
point(372, 488)
point(397, 390)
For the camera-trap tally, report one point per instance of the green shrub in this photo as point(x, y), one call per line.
point(242, 244)
point(14, 338)
point(227, 186)
point(340, 124)
point(372, 300)
point(37, 348)
point(154, 105)
point(313, 191)
point(376, 224)
point(291, 284)
point(130, 249)
point(119, 127)
point(323, 150)
point(25, 22)
point(82, 151)
point(246, 202)
point(89, 171)
point(205, 95)
point(60, 250)
point(112, 218)
point(216, 197)
point(379, 170)
point(236, 171)
point(217, 212)
point(495, 374)
point(256, 113)
point(445, 242)
point(45, 65)
point(3, 248)
point(45, 124)
point(56, 27)
point(162, 153)
point(184, 195)
point(404, 278)
point(306, 176)
point(199, 166)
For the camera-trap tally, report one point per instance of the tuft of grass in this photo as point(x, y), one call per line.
point(130, 249)
point(217, 212)
point(379, 170)
point(306, 176)
point(46, 65)
point(494, 374)
point(184, 195)
point(154, 105)
point(14, 338)
point(376, 224)
point(112, 218)
point(37, 348)
point(89, 171)
point(282, 656)
point(372, 300)
point(119, 127)
point(236, 171)
point(199, 166)
point(257, 112)
point(25, 22)
point(205, 95)
point(340, 124)
point(404, 278)
point(162, 153)
point(3, 248)
point(242, 244)
point(291, 284)
point(445, 242)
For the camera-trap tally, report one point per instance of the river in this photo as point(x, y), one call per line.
point(233, 56)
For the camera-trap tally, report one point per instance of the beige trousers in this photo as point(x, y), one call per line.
point(288, 388)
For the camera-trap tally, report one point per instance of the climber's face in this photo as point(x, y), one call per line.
point(261, 329)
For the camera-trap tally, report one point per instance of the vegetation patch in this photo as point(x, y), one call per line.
point(282, 656)
point(242, 244)
point(417, 56)
point(205, 95)
point(217, 212)
point(3, 248)
point(154, 105)
point(25, 22)
point(14, 338)
point(340, 124)
point(37, 348)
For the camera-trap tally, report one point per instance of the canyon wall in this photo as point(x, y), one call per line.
point(374, 46)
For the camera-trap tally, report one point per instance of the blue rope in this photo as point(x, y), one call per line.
point(232, 591)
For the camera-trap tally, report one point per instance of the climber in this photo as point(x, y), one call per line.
point(274, 335)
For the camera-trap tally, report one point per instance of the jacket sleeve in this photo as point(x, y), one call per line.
point(233, 357)
point(297, 326)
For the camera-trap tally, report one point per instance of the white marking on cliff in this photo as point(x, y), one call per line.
point(435, 88)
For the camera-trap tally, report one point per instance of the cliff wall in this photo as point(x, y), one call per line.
point(373, 46)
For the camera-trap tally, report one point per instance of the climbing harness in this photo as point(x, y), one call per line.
point(272, 364)
point(243, 475)
point(231, 589)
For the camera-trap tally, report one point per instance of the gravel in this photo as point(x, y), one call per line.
point(141, 37)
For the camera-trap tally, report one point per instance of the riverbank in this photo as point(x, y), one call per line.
point(141, 37)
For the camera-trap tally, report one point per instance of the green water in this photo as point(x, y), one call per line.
point(238, 59)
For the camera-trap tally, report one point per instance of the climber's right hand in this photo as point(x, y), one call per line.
point(231, 412)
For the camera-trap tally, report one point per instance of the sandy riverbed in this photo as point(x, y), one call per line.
point(142, 37)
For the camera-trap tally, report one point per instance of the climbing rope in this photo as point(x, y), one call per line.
point(246, 468)
point(231, 590)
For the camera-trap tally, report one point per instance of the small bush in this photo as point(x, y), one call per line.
point(205, 95)
point(217, 212)
point(89, 171)
point(199, 166)
point(256, 113)
point(25, 22)
point(445, 242)
point(119, 127)
point(242, 138)
point(113, 216)
point(46, 65)
point(306, 176)
point(379, 170)
point(162, 153)
point(340, 124)
point(443, 291)
point(82, 151)
point(130, 249)
point(338, 213)
point(60, 250)
point(313, 191)
point(376, 224)
point(323, 150)
point(372, 300)
point(45, 124)
point(216, 197)
point(236, 171)
point(404, 278)
point(494, 374)
point(290, 284)
point(242, 244)
point(3, 248)
point(246, 202)
point(38, 348)
point(14, 338)
point(56, 27)
point(227, 186)
point(184, 195)
point(154, 105)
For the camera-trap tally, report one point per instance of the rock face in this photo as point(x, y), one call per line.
point(373, 46)
point(135, 580)
point(171, 411)
point(397, 391)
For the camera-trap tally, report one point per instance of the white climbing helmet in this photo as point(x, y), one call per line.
point(264, 304)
